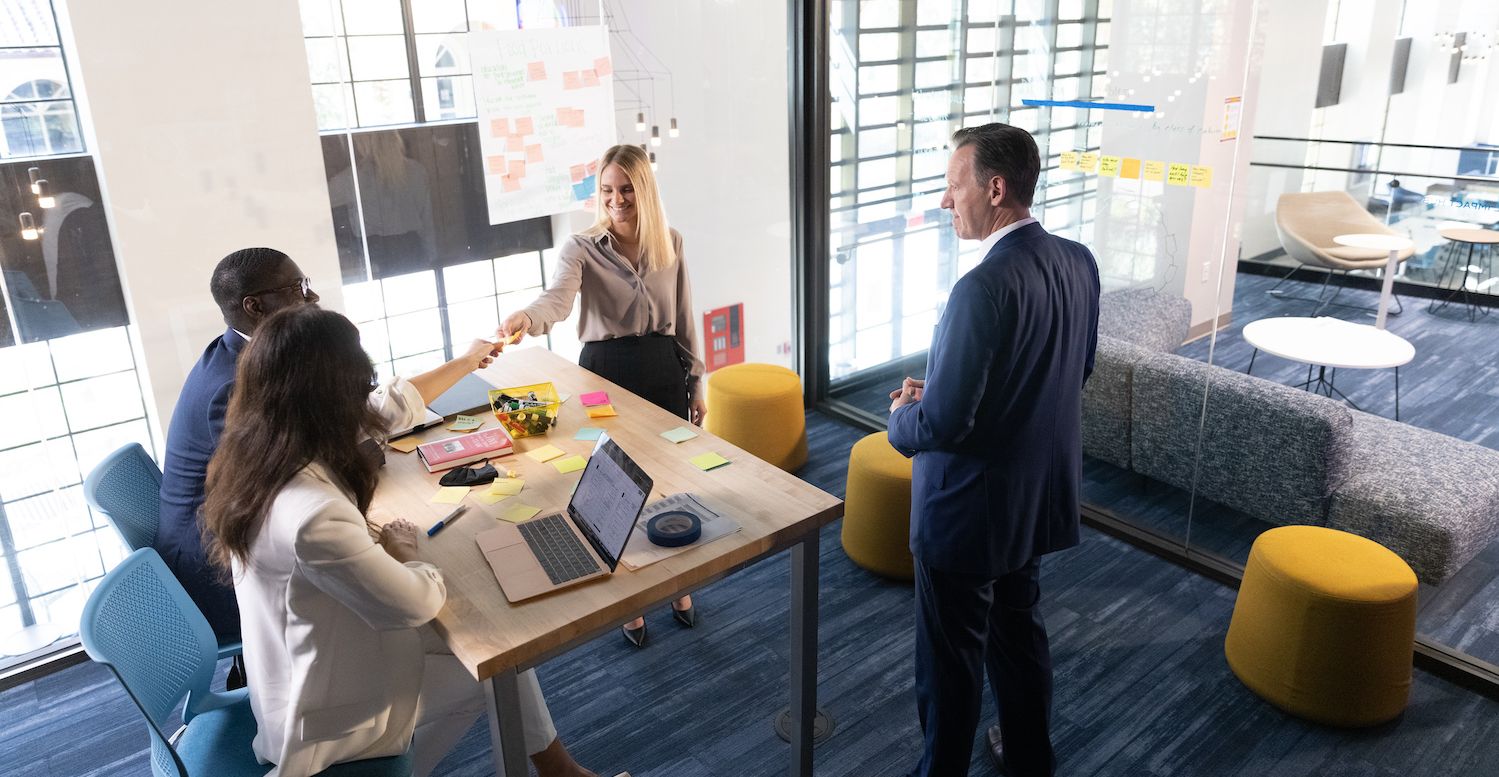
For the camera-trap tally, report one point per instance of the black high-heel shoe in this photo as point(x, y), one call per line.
point(635, 637)
point(687, 617)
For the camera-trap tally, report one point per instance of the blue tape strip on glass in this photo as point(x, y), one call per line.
point(674, 528)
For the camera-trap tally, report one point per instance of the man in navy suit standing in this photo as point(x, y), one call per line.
point(996, 432)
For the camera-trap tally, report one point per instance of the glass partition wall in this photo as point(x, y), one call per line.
point(1175, 145)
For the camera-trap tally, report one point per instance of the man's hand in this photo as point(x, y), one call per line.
point(513, 329)
point(399, 540)
point(480, 354)
point(697, 411)
point(912, 386)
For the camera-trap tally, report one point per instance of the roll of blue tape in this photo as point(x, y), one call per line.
point(674, 528)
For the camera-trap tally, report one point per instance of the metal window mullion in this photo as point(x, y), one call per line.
point(413, 67)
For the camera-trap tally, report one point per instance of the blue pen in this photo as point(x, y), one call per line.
point(447, 519)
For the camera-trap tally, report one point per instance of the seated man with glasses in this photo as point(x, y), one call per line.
point(248, 286)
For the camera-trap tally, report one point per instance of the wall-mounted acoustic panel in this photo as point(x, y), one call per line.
point(1330, 79)
point(1455, 67)
point(1399, 63)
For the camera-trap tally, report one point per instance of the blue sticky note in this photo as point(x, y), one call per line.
point(588, 433)
point(585, 188)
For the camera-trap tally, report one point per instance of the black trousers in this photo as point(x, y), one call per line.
point(966, 624)
point(647, 366)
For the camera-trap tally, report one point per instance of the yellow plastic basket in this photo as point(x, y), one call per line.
point(526, 411)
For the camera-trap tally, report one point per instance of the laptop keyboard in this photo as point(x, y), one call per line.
point(561, 554)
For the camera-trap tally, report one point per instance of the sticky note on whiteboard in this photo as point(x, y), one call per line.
point(1129, 167)
point(572, 79)
point(525, 126)
point(536, 71)
point(1088, 162)
point(603, 66)
point(1108, 166)
point(1155, 171)
point(590, 77)
point(1178, 174)
point(1069, 160)
point(499, 128)
point(1201, 176)
point(533, 153)
point(578, 173)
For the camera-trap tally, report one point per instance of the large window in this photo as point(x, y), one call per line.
point(37, 111)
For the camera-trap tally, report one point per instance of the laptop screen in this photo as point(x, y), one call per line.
point(609, 499)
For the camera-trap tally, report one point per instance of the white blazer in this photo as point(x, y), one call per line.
point(329, 622)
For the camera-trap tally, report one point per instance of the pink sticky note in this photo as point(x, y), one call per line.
point(517, 169)
point(590, 203)
point(572, 80)
point(524, 126)
point(603, 66)
point(533, 152)
point(515, 143)
point(509, 184)
point(497, 165)
point(590, 77)
point(593, 167)
point(499, 128)
point(578, 173)
point(574, 117)
point(594, 398)
point(536, 71)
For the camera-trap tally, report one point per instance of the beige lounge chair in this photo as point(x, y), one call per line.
point(1307, 222)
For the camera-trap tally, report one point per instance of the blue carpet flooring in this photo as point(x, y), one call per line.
point(1142, 687)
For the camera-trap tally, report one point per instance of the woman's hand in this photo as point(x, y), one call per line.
point(481, 353)
point(399, 540)
point(514, 328)
point(697, 411)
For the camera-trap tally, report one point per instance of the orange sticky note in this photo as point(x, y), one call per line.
point(601, 411)
point(499, 128)
point(603, 66)
point(496, 165)
point(578, 173)
point(508, 184)
point(536, 71)
point(593, 167)
point(590, 77)
point(524, 126)
point(517, 169)
point(575, 117)
point(533, 152)
point(572, 80)
point(405, 444)
point(515, 142)
point(1129, 168)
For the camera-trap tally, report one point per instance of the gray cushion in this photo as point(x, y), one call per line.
point(1106, 401)
point(1432, 499)
point(1145, 317)
point(1268, 450)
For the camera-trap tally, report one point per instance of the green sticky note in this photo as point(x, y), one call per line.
point(588, 433)
point(465, 423)
point(570, 464)
point(679, 434)
point(520, 512)
point(450, 495)
point(707, 461)
point(507, 486)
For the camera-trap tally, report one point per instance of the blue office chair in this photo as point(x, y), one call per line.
point(141, 624)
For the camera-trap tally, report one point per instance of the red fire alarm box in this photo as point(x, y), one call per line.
point(723, 336)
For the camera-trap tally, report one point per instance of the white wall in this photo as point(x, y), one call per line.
point(206, 142)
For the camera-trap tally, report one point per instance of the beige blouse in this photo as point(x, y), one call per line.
point(618, 300)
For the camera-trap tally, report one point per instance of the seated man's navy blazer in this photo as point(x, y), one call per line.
point(192, 438)
point(997, 435)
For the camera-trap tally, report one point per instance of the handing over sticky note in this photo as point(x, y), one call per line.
point(708, 461)
point(570, 464)
point(545, 453)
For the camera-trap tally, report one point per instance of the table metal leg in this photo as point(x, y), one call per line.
point(506, 737)
point(1252, 357)
point(1387, 289)
point(803, 652)
point(1397, 393)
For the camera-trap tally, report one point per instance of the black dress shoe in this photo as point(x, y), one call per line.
point(996, 751)
point(635, 637)
point(687, 617)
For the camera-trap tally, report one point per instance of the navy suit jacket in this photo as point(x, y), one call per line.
point(193, 436)
point(997, 435)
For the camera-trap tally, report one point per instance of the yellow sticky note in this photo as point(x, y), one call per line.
point(1155, 171)
point(570, 464)
point(1108, 166)
point(1201, 176)
point(545, 453)
point(465, 423)
point(450, 495)
point(520, 512)
point(707, 461)
point(506, 486)
point(1088, 161)
point(490, 497)
point(1178, 174)
point(1069, 160)
point(405, 444)
point(601, 411)
point(1129, 168)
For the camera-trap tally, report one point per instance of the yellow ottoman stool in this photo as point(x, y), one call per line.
point(877, 509)
point(1324, 625)
point(759, 408)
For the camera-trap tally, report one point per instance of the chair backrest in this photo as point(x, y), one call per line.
point(141, 624)
point(126, 487)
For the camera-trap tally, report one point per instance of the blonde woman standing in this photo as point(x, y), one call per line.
point(636, 323)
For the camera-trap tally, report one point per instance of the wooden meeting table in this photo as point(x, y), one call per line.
point(495, 640)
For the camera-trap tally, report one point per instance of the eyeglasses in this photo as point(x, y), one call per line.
point(305, 284)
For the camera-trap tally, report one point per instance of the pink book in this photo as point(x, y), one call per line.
point(455, 451)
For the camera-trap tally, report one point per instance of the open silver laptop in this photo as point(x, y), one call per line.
point(582, 543)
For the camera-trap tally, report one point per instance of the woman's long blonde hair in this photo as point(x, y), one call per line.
point(656, 249)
